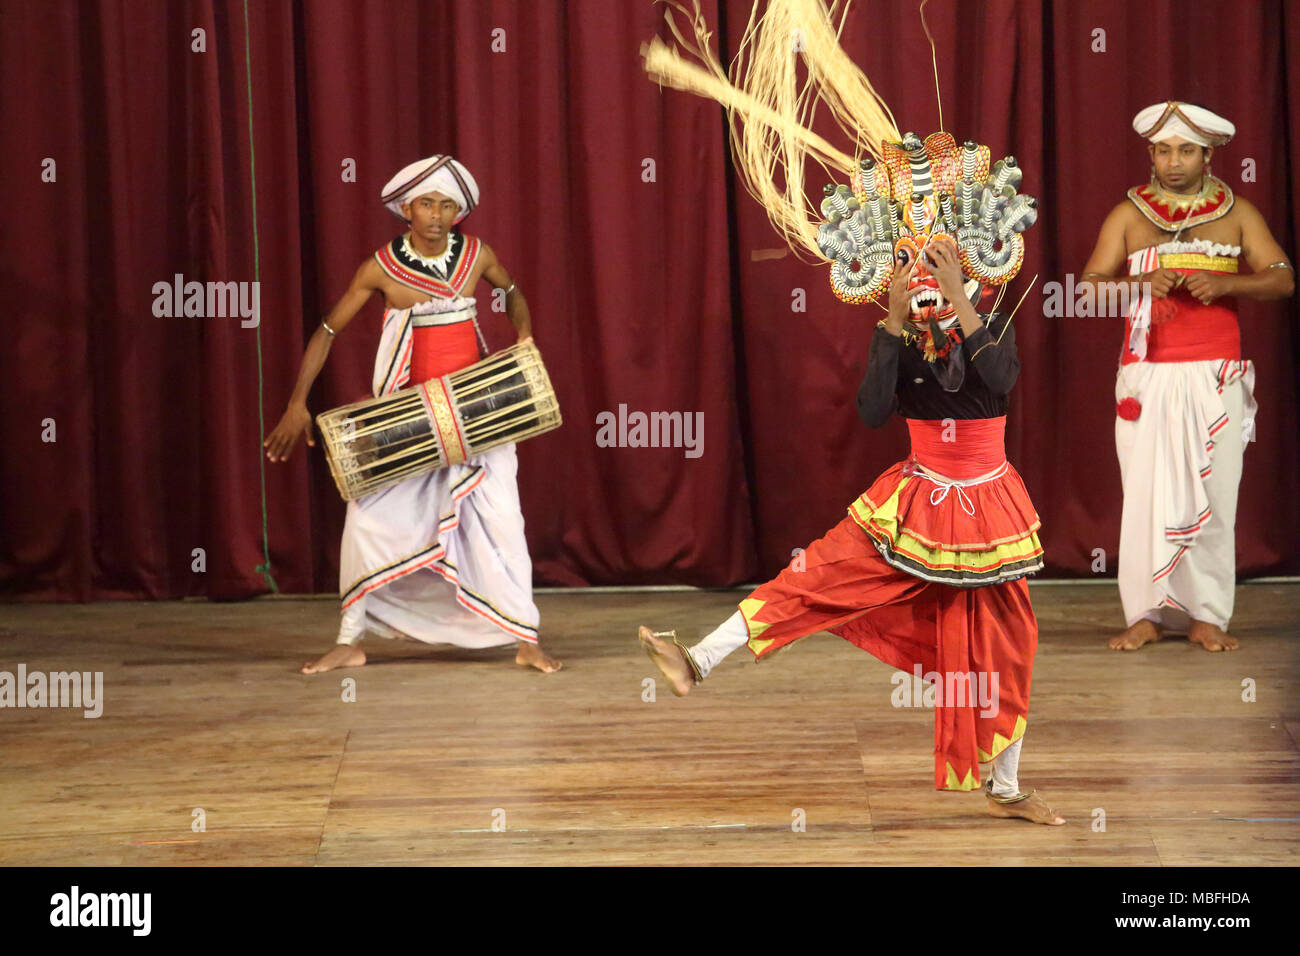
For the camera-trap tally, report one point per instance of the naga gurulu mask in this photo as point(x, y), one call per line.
point(919, 193)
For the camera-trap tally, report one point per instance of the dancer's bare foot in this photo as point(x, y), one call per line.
point(1210, 637)
point(1032, 808)
point(532, 655)
point(668, 657)
point(1143, 632)
point(342, 655)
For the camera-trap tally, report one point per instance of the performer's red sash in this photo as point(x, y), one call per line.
point(439, 350)
point(1197, 332)
point(1184, 329)
point(961, 449)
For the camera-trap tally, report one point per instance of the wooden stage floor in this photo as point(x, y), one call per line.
point(203, 708)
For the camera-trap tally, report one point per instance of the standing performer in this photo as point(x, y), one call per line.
point(439, 557)
point(927, 571)
point(1185, 405)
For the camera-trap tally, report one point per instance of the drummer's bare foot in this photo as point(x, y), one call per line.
point(342, 655)
point(1143, 632)
point(668, 657)
point(532, 655)
point(1032, 808)
point(1210, 637)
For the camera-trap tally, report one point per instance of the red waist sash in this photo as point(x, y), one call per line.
point(441, 349)
point(1184, 329)
point(959, 448)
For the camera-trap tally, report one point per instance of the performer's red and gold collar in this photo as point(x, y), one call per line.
point(401, 266)
point(1172, 212)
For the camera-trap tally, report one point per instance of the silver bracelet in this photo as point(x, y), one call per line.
point(1283, 264)
point(511, 289)
point(325, 325)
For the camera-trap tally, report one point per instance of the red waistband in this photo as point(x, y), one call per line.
point(1185, 330)
point(959, 448)
point(441, 349)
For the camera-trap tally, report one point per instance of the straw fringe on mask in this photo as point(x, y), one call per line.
point(770, 108)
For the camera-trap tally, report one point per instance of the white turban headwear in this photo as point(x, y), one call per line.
point(437, 174)
point(1195, 124)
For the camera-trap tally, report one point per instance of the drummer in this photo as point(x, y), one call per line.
point(439, 557)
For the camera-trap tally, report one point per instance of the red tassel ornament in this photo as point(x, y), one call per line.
point(1162, 310)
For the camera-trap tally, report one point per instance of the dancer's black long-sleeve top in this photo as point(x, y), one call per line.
point(899, 379)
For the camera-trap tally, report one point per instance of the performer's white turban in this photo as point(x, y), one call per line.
point(437, 174)
point(1195, 124)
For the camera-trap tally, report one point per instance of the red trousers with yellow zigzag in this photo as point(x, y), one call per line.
point(842, 584)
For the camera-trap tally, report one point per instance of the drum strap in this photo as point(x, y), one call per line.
point(482, 342)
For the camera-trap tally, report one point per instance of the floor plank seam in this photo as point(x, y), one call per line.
point(329, 800)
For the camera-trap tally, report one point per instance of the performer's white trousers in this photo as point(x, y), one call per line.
point(441, 558)
point(1160, 456)
point(733, 634)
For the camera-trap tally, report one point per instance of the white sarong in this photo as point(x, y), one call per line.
point(439, 557)
point(1180, 464)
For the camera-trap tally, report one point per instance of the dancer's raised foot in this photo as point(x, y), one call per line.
point(341, 655)
point(1143, 632)
point(1029, 807)
point(1211, 637)
point(532, 655)
point(670, 659)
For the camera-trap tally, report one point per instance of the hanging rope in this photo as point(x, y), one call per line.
point(264, 568)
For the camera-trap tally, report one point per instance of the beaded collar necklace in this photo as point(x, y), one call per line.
point(437, 263)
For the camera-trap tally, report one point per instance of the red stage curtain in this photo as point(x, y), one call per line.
point(647, 291)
